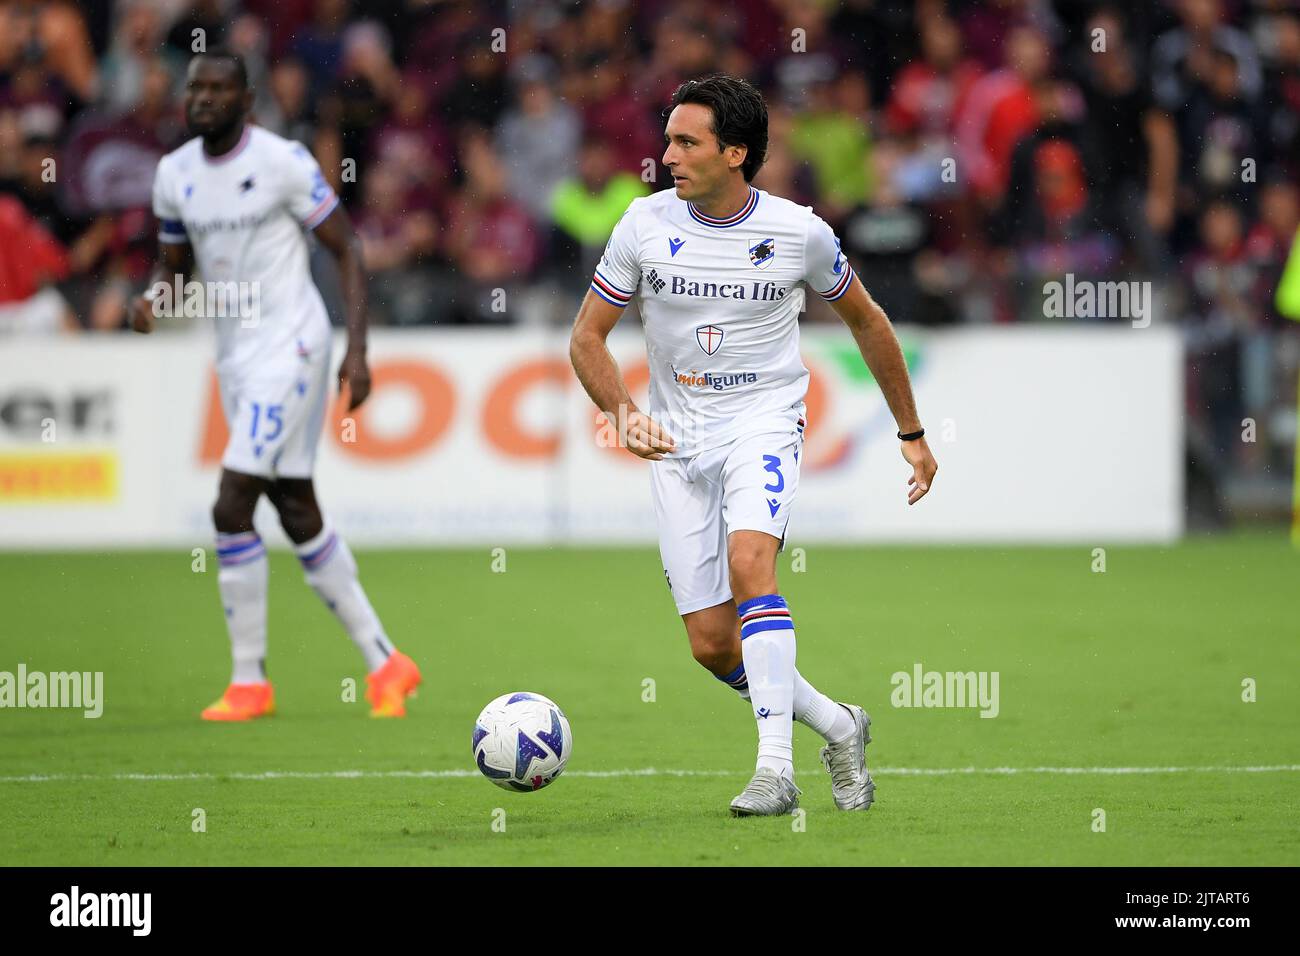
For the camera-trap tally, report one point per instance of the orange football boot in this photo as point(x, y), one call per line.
point(243, 702)
point(389, 686)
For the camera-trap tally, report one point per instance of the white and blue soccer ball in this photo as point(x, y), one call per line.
point(522, 741)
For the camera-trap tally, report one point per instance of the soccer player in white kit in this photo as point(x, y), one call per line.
point(714, 265)
point(235, 204)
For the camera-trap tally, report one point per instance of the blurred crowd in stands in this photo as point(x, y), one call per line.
point(967, 153)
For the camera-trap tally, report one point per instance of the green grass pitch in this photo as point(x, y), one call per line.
point(1138, 667)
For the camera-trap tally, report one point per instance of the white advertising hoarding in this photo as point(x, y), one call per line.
point(484, 437)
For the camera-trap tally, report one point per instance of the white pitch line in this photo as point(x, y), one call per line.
point(643, 772)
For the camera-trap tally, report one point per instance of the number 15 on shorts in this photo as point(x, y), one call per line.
point(273, 418)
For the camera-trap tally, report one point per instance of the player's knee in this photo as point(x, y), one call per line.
point(713, 649)
point(290, 509)
point(709, 656)
point(233, 513)
point(298, 516)
point(752, 571)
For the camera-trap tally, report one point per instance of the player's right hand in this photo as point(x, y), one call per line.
point(646, 438)
point(141, 315)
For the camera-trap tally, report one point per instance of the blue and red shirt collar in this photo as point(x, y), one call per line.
point(733, 220)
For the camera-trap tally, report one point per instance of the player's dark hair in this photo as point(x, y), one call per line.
point(225, 53)
point(739, 115)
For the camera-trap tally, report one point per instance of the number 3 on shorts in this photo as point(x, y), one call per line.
point(772, 463)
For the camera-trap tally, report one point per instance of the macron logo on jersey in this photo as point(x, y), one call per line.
point(674, 245)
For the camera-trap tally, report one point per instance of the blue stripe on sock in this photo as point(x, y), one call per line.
point(245, 558)
point(757, 627)
point(736, 675)
point(229, 552)
point(763, 602)
point(318, 555)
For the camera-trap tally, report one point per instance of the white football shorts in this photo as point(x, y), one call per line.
point(748, 485)
point(276, 416)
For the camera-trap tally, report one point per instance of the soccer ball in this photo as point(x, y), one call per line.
point(522, 741)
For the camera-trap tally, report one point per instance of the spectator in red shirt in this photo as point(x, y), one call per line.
point(929, 93)
point(999, 110)
point(30, 259)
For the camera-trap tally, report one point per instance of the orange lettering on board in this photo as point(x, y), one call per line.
point(821, 451)
point(436, 398)
point(215, 433)
point(501, 422)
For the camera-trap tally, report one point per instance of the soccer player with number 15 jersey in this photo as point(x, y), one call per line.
point(235, 204)
point(714, 264)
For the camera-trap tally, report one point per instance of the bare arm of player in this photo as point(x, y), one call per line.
point(884, 356)
point(600, 376)
point(337, 235)
point(174, 258)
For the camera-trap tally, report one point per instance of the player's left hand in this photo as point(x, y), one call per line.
point(355, 373)
point(917, 454)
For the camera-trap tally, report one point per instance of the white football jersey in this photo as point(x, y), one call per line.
point(246, 214)
point(721, 313)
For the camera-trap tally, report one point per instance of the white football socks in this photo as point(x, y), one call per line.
point(814, 709)
point(242, 581)
point(332, 572)
point(768, 648)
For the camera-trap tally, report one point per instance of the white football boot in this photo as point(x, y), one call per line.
point(769, 794)
point(846, 762)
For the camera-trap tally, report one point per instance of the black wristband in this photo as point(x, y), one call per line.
point(911, 436)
